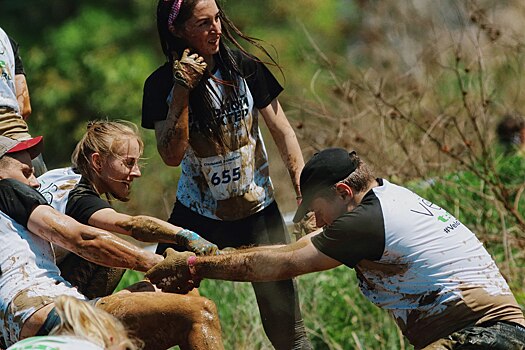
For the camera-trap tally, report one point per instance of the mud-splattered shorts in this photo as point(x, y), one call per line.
point(495, 336)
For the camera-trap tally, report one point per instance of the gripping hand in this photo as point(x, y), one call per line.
point(195, 243)
point(188, 70)
point(173, 273)
point(305, 226)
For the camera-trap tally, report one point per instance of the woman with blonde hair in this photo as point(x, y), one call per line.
point(106, 162)
point(82, 326)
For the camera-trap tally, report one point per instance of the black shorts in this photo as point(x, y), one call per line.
point(263, 228)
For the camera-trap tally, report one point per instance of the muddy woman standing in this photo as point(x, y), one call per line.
point(204, 104)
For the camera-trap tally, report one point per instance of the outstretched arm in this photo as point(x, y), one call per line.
point(286, 141)
point(266, 264)
point(93, 244)
point(179, 270)
point(149, 229)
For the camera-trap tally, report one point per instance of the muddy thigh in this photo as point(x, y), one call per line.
point(163, 320)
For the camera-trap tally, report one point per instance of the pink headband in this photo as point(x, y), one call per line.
point(175, 8)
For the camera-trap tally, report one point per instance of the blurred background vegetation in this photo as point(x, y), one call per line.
point(416, 87)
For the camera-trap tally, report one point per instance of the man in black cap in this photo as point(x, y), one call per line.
point(412, 258)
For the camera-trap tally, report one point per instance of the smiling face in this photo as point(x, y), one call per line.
point(202, 31)
point(118, 170)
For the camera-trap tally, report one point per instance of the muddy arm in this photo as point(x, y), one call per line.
point(259, 265)
point(173, 133)
point(149, 229)
point(22, 95)
point(280, 263)
point(93, 244)
point(286, 141)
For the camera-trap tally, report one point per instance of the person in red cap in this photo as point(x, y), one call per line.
point(31, 280)
point(412, 258)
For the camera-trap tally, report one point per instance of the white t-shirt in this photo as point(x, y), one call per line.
point(418, 262)
point(29, 272)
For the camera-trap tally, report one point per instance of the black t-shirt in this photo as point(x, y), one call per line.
point(18, 200)
point(261, 82)
point(355, 235)
point(83, 201)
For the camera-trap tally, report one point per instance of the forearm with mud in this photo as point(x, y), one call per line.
point(99, 246)
point(150, 229)
point(173, 139)
point(291, 154)
point(260, 264)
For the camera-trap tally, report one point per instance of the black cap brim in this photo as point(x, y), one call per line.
point(300, 213)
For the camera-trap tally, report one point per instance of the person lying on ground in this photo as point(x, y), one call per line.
point(30, 279)
point(106, 162)
point(412, 258)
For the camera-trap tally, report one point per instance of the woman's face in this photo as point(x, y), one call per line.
point(202, 31)
point(119, 169)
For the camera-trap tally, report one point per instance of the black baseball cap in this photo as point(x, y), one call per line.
point(323, 170)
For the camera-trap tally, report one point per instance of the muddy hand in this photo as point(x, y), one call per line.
point(195, 243)
point(188, 70)
point(173, 273)
point(305, 226)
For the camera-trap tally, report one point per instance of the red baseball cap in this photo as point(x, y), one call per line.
point(34, 146)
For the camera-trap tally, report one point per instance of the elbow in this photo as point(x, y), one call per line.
point(169, 157)
point(170, 160)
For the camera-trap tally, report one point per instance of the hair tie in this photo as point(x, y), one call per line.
point(175, 8)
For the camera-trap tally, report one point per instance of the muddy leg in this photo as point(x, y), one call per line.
point(163, 320)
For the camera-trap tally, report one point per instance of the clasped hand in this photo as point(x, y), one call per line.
point(173, 274)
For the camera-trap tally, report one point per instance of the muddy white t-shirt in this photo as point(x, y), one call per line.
point(224, 183)
point(69, 193)
point(30, 279)
point(421, 264)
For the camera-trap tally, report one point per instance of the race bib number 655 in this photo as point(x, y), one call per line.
point(229, 175)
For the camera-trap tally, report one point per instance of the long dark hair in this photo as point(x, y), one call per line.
point(201, 98)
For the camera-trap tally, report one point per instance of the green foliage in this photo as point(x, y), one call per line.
point(472, 201)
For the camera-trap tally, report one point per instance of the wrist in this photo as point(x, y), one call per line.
point(191, 267)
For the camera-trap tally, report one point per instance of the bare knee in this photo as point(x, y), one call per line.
point(207, 309)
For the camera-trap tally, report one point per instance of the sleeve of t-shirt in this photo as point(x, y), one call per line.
point(19, 65)
point(83, 202)
point(356, 235)
point(18, 200)
point(261, 82)
point(156, 90)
